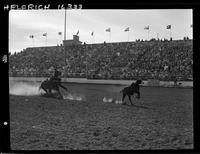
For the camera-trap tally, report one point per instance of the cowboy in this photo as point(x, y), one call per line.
point(56, 76)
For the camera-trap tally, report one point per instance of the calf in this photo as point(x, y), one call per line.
point(130, 90)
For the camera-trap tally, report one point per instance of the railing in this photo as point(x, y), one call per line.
point(99, 76)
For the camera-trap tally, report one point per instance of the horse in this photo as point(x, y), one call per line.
point(49, 85)
point(130, 90)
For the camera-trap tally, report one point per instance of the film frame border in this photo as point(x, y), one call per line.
point(5, 129)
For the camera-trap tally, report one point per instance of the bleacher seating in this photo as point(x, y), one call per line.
point(158, 59)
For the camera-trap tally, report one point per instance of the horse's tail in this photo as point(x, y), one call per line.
point(63, 87)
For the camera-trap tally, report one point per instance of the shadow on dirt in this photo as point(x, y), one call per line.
point(53, 95)
point(140, 106)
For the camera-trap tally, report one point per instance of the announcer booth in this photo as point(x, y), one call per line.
point(75, 41)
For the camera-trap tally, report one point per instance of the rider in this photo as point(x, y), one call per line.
point(53, 83)
point(56, 76)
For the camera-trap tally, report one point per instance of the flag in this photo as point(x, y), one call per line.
point(31, 36)
point(108, 30)
point(77, 32)
point(45, 34)
point(146, 28)
point(168, 26)
point(59, 33)
point(127, 29)
point(92, 33)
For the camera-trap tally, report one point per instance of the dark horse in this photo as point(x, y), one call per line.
point(130, 90)
point(48, 85)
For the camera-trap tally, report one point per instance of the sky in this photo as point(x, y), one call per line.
point(23, 23)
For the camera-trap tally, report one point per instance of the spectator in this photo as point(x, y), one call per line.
point(125, 60)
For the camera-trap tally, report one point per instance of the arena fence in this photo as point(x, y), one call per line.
point(150, 82)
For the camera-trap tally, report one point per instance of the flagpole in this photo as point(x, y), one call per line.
point(46, 40)
point(109, 30)
point(128, 36)
point(58, 40)
point(65, 39)
point(110, 36)
point(93, 39)
point(170, 34)
point(147, 28)
point(33, 43)
point(86, 63)
point(65, 25)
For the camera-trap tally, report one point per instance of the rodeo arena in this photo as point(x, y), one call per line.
point(110, 95)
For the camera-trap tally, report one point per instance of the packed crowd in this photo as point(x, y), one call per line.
point(164, 60)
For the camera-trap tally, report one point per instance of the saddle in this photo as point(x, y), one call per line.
point(55, 79)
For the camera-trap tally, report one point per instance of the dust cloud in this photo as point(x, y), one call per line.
point(24, 89)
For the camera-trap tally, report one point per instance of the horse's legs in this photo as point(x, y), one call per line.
point(60, 95)
point(58, 91)
point(45, 90)
point(43, 87)
point(138, 95)
point(129, 96)
point(124, 95)
point(63, 87)
point(49, 90)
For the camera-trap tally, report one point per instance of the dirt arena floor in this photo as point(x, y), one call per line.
point(161, 119)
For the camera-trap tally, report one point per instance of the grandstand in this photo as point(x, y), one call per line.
point(154, 59)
